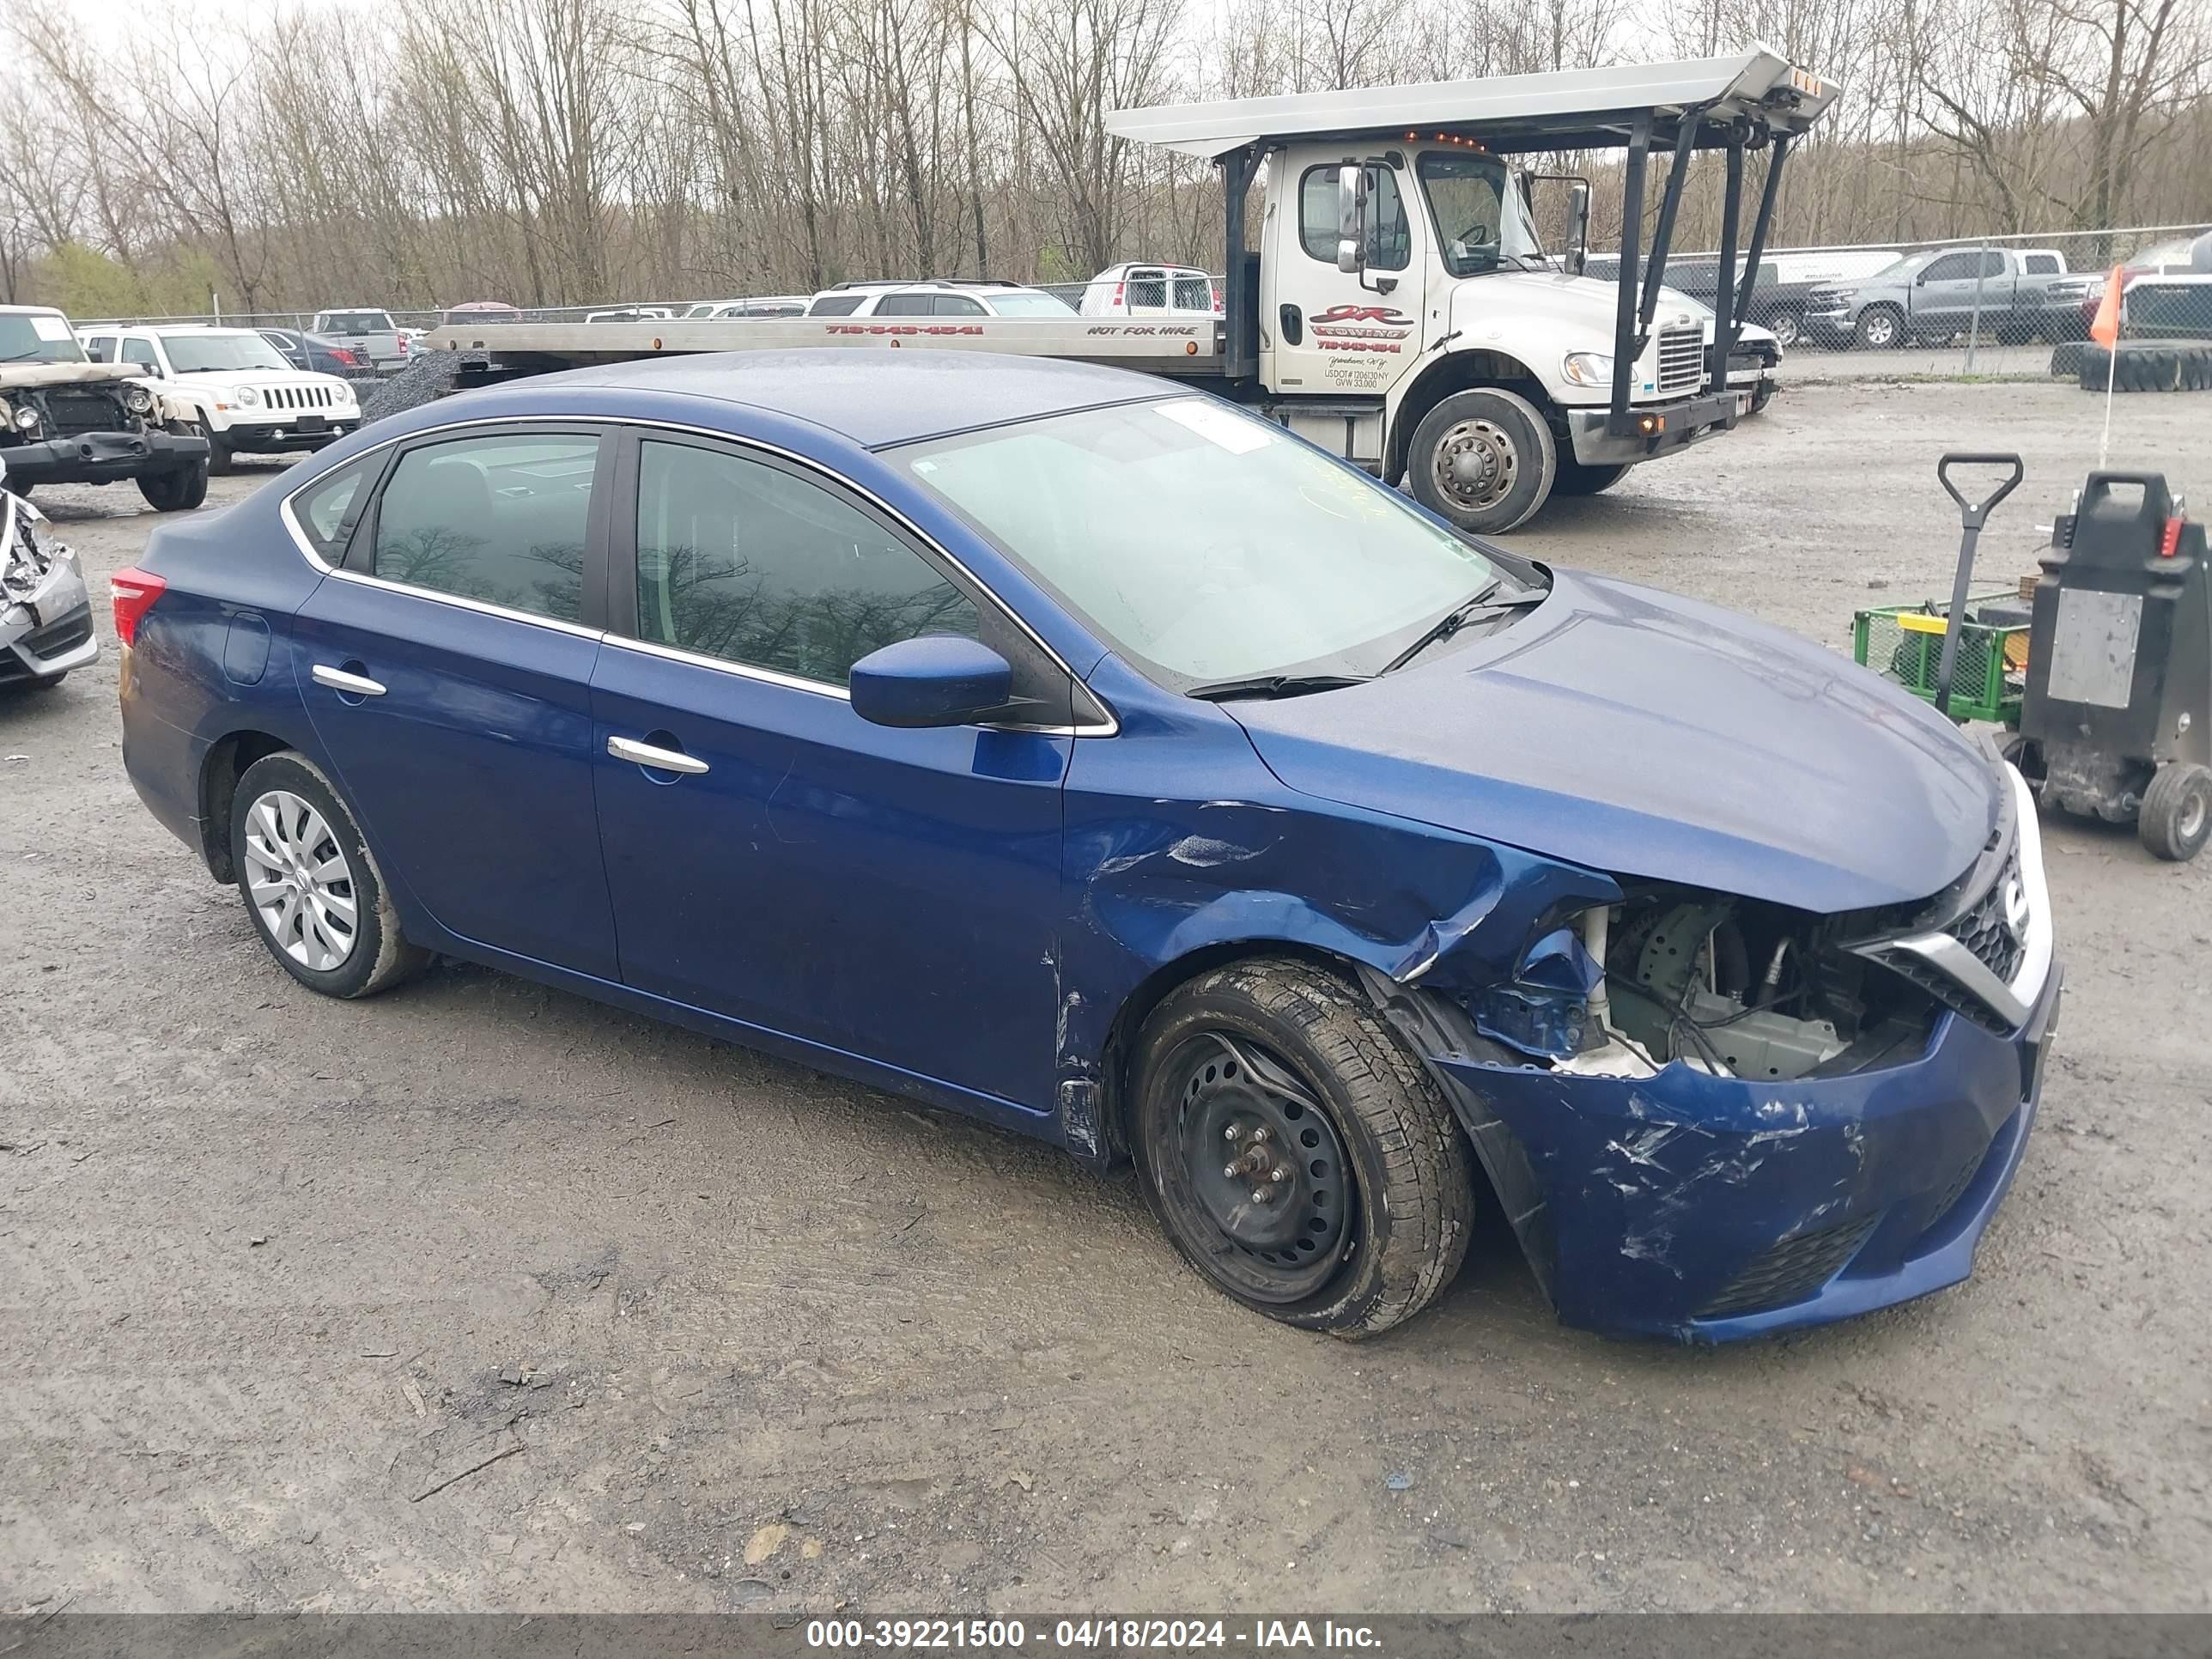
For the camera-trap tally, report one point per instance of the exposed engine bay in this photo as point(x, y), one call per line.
point(1743, 989)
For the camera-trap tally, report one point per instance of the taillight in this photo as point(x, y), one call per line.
point(134, 591)
point(403, 344)
point(2170, 543)
point(343, 355)
point(1118, 288)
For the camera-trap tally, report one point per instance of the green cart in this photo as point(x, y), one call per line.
point(1977, 670)
point(1906, 643)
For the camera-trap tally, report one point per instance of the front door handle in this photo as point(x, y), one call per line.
point(661, 760)
point(1294, 331)
point(354, 685)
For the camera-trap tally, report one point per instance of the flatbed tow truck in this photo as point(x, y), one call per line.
point(1400, 309)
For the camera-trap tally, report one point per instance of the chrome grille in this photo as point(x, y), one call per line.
point(1981, 927)
point(1682, 359)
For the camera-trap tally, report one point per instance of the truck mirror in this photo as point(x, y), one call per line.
point(1352, 219)
point(1577, 249)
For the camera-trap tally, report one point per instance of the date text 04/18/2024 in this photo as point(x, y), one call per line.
point(998, 1634)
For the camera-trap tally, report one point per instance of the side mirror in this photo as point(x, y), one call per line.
point(1578, 205)
point(1352, 219)
point(939, 679)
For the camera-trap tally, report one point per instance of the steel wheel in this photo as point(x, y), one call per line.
point(1475, 464)
point(297, 876)
point(1265, 1167)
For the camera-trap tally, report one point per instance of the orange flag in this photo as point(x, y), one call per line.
point(2106, 330)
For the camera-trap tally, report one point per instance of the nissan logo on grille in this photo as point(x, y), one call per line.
point(2015, 910)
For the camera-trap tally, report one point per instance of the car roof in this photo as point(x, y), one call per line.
point(877, 398)
point(30, 311)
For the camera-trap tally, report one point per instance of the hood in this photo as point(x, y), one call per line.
point(1639, 733)
point(30, 375)
point(1493, 308)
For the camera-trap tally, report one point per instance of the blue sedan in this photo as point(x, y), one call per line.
point(1053, 745)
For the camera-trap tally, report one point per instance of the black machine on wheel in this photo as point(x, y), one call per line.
point(2115, 722)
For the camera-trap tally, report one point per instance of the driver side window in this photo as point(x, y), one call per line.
point(1389, 238)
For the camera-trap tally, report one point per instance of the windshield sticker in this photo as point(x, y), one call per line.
point(50, 328)
point(1218, 426)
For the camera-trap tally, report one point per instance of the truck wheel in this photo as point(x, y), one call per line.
point(1880, 328)
point(1297, 1155)
point(1483, 458)
point(178, 491)
point(1576, 479)
point(2177, 812)
point(1785, 328)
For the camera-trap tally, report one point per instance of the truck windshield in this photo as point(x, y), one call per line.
point(38, 337)
point(203, 354)
point(1205, 543)
point(1481, 224)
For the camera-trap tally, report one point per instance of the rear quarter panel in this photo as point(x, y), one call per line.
point(214, 657)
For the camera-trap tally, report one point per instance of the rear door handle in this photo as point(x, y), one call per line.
point(661, 760)
point(354, 684)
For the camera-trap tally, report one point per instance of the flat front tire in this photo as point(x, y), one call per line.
point(1485, 458)
point(310, 884)
point(1296, 1154)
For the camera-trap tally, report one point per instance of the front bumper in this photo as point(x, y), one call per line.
point(1706, 1209)
point(269, 436)
point(50, 632)
point(103, 457)
point(1602, 438)
point(1829, 327)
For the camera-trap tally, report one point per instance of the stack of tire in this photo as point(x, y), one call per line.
point(2140, 365)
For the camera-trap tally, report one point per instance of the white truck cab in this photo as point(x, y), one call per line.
point(1399, 308)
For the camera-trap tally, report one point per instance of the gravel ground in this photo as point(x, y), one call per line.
point(481, 1297)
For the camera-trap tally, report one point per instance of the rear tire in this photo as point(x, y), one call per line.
point(1574, 478)
point(311, 885)
point(1356, 1215)
point(1484, 459)
point(178, 491)
point(2177, 812)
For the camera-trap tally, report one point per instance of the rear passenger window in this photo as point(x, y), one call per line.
point(327, 509)
point(740, 560)
point(496, 519)
point(1194, 293)
point(903, 304)
point(1148, 290)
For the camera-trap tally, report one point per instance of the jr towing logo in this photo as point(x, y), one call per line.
point(1361, 328)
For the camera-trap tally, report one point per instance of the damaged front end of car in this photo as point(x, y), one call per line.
point(46, 611)
point(1710, 1116)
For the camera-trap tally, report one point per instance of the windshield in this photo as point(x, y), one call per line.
point(38, 337)
point(202, 354)
point(1481, 223)
point(1205, 543)
point(1031, 305)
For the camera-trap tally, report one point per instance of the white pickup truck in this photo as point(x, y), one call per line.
point(1400, 308)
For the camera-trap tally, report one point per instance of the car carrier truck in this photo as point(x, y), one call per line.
point(1399, 308)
